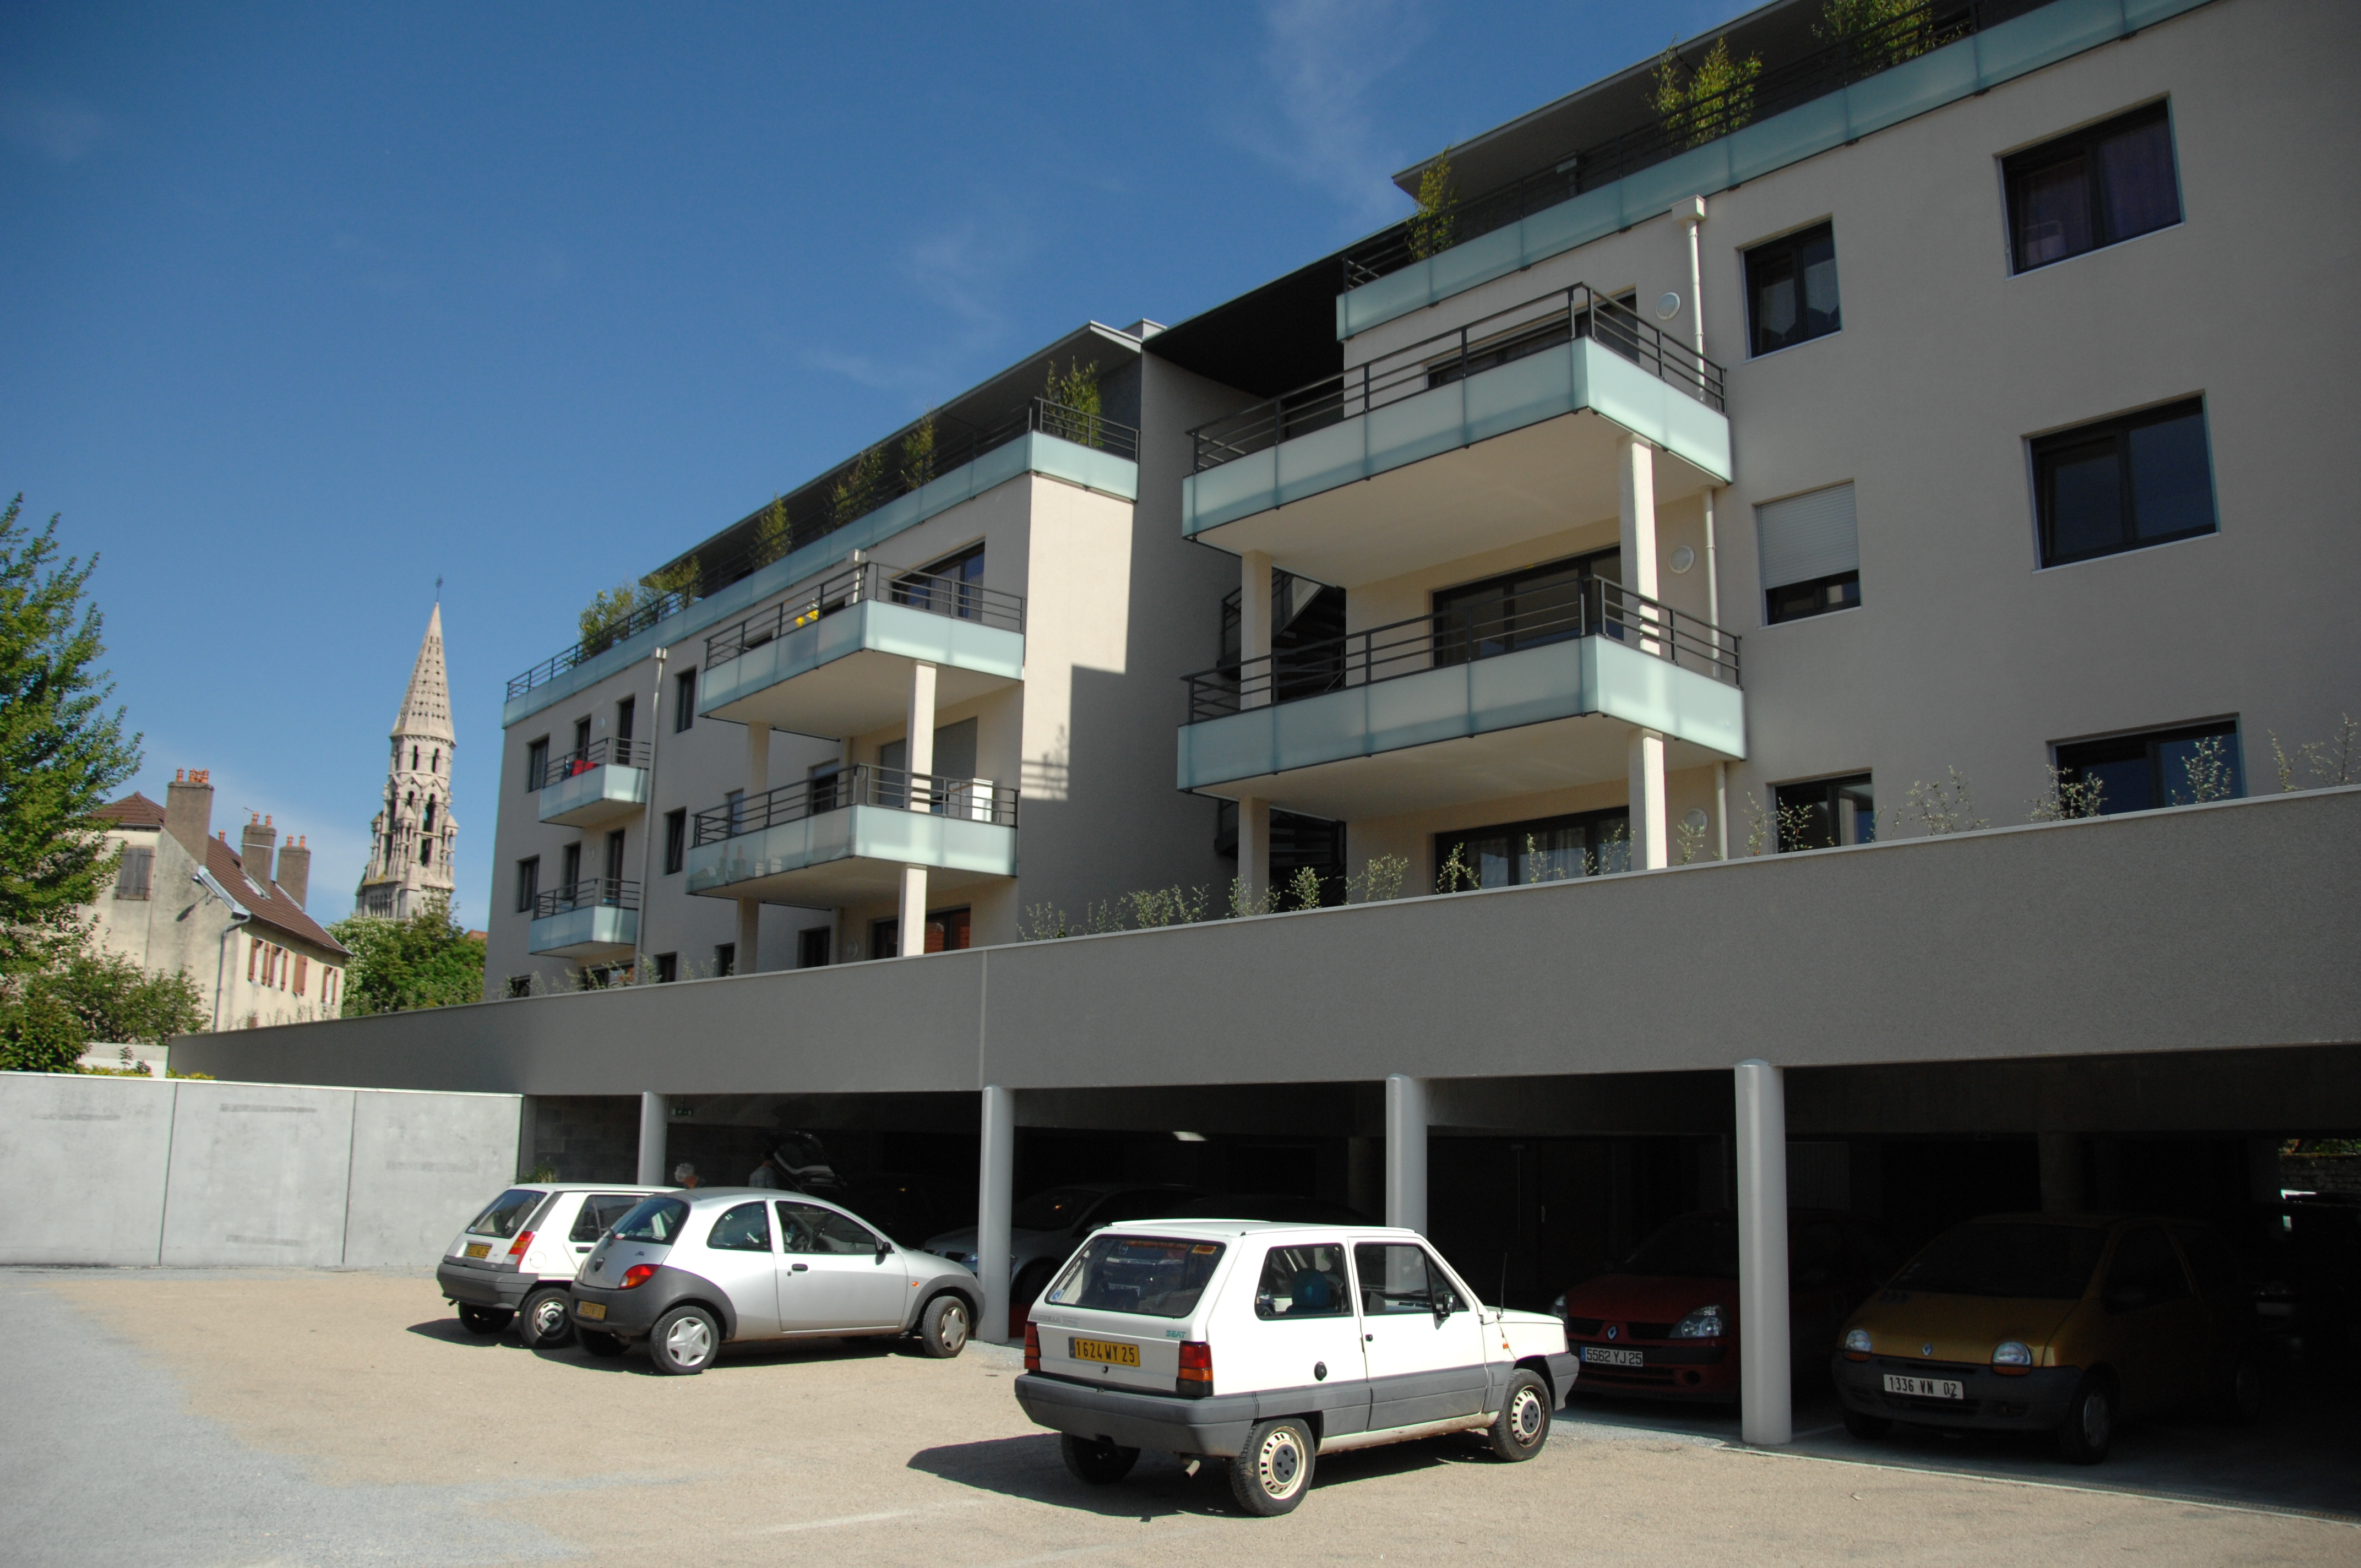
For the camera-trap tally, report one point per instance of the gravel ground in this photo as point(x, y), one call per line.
point(246, 1417)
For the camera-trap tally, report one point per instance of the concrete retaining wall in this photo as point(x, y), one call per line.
point(133, 1170)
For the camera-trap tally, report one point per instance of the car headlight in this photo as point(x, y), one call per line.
point(972, 1262)
point(1703, 1323)
point(2013, 1356)
point(1856, 1341)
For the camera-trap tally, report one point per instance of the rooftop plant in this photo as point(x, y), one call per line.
point(1430, 226)
point(1711, 100)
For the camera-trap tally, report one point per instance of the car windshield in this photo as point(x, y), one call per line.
point(1702, 1246)
point(652, 1220)
point(504, 1215)
point(1157, 1277)
point(2025, 1261)
point(1053, 1209)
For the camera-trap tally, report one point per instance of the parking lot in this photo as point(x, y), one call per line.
point(253, 1417)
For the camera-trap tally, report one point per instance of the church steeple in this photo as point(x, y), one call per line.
point(426, 706)
point(412, 837)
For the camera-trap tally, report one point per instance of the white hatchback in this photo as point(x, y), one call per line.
point(1267, 1344)
point(515, 1259)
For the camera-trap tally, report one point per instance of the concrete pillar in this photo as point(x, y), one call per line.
point(758, 759)
point(1635, 470)
point(1254, 623)
point(995, 1199)
point(655, 1127)
point(1766, 1404)
point(750, 936)
point(921, 748)
point(1406, 1152)
point(1650, 839)
point(1253, 850)
point(2065, 1189)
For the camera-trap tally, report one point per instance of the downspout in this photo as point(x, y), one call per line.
point(1692, 215)
point(648, 818)
point(238, 915)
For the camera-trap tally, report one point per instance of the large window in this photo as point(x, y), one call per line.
point(953, 585)
point(675, 839)
point(1810, 554)
point(1548, 848)
point(2099, 186)
point(1519, 609)
point(2124, 484)
point(683, 700)
point(1826, 813)
point(2163, 767)
point(1791, 289)
point(131, 877)
point(537, 763)
point(528, 884)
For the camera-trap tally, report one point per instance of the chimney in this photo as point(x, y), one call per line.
point(254, 853)
point(295, 869)
point(189, 809)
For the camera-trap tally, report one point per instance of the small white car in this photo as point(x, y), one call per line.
point(1267, 1344)
point(515, 1259)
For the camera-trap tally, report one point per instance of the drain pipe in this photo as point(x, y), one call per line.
point(1691, 213)
point(648, 819)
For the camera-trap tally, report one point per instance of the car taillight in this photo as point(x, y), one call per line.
point(639, 1274)
point(1196, 1379)
point(1032, 1347)
point(517, 1248)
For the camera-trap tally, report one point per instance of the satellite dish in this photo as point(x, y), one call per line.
point(1668, 307)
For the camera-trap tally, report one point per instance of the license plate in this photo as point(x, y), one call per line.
point(1107, 1351)
point(594, 1310)
point(479, 1249)
point(1604, 1355)
point(1925, 1387)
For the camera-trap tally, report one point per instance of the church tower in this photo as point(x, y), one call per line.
point(412, 837)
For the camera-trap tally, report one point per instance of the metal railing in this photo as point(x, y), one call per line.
point(1550, 321)
point(862, 783)
point(589, 893)
point(835, 500)
point(1661, 137)
point(874, 582)
point(598, 754)
point(1594, 608)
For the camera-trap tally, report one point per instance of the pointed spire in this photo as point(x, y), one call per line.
point(426, 706)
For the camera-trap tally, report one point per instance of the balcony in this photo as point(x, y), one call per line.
point(1507, 427)
point(844, 836)
point(1444, 710)
point(597, 918)
point(836, 660)
point(605, 782)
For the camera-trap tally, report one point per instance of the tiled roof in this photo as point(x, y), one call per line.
point(271, 907)
point(133, 810)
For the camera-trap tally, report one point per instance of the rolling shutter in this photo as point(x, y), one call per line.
point(1808, 536)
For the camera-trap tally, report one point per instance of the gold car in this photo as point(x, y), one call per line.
point(2064, 1323)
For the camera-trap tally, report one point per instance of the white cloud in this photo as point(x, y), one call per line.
point(962, 271)
point(1317, 114)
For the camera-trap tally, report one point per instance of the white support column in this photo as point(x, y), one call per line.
point(750, 936)
point(920, 747)
point(655, 1126)
point(995, 1199)
point(1636, 497)
point(1649, 848)
point(1766, 1404)
point(1254, 625)
point(1253, 850)
point(1713, 614)
point(1406, 1152)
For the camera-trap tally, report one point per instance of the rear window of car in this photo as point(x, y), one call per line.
point(1155, 1277)
point(2022, 1261)
point(600, 1211)
point(652, 1220)
point(506, 1214)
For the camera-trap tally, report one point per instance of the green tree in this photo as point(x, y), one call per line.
point(1430, 226)
point(1883, 33)
point(61, 752)
point(114, 999)
point(854, 495)
point(773, 537)
point(39, 1034)
point(427, 960)
point(1712, 101)
point(919, 455)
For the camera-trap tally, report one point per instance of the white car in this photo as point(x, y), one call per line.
point(515, 1259)
point(1267, 1344)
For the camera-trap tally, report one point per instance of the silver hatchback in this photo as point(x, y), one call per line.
point(686, 1272)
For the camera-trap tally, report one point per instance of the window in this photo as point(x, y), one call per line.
point(303, 972)
point(435, 763)
point(2122, 484)
point(811, 948)
point(735, 804)
point(683, 700)
point(947, 931)
point(1811, 556)
point(1790, 288)
point(959, 592)
point(426, 853)
point(725, 959)
point(614, 863)
point(1398, 1278)
point(745, 1227)
point(1520, 609)
point(571, 864)
point(132, 876)
point(528, 884)
point(807, 1227)
point(625, 711)
point(506, 1214)
point(1825, 813)
point(1548, 848)
point(656, 1220)
point(667, 968)
point(2164, 767)
point(1154, 1276)
point(414, 758)
point(253, 957)
point(600, 1211)
point(886, 938)
point(2096, 187)
point(675, 839)
point(429, 813)
point(1303, 1282)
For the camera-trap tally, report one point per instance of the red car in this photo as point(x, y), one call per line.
point(1665, 1322)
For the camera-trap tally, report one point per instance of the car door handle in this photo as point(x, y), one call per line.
point(801, 1269)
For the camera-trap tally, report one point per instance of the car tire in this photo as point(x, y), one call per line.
point(546, 1319)
point(1866, 1426)
point(1095, 1462)
point(599, 1343)
point(1022, 1292)
point(2089, 1428)
point(1272, 1469)
point(943, 1326)
point(1523, 1424)
point(484, 1319)
point(2241, 1402)
point(684, 1342)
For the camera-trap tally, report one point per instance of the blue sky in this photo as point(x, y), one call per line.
point(309, 305)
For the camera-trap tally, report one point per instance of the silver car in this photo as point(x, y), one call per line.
point(688, 1272)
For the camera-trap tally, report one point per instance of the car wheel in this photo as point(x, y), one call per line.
point(1523, 1423)
point(546, 1319)
point(1866, 1426)
point(2242, 1401)
point(1098, 1463)
point(1021, 1294)
point(2089, 1428)
point(943, 1326)
point(1273, 1468)
point(484, 1319)
point(684, 1342)
point(599, 1343)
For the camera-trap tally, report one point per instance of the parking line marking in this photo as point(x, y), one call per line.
point(866, 1518)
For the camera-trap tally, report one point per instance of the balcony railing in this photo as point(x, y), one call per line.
point(1552, 320)
point(1595, 609)
point(837, 499)
point(869, 581)
point(863, 784)
point(590, 893)
point(1661, 137)
point(598, 754)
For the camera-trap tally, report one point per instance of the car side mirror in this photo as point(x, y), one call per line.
point(885, 1251)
